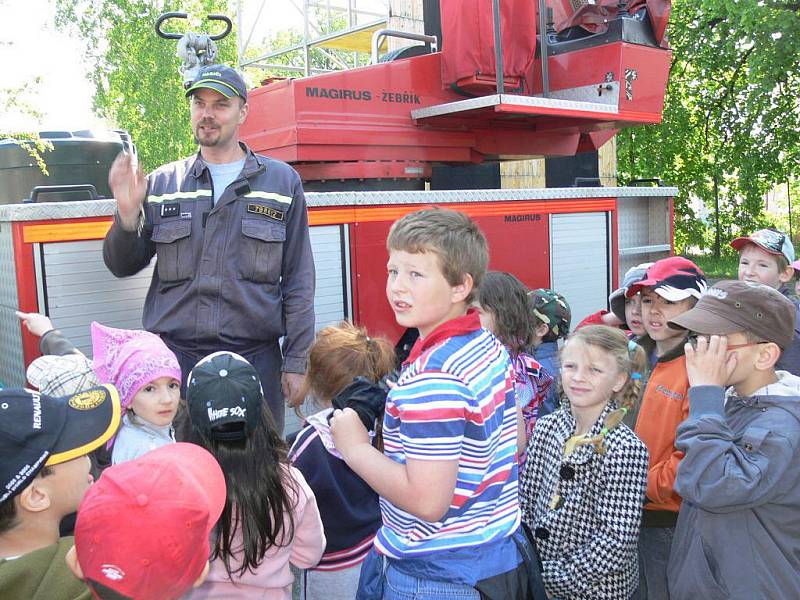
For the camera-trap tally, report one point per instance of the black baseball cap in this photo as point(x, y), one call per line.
point(38, 430)
point(220, 78)
point(225, 396)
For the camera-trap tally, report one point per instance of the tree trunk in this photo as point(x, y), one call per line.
point(717, 232)
point(789, 202)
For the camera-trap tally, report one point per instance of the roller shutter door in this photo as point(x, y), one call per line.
point(579, 261)
point(77, 288)
point(330, 305)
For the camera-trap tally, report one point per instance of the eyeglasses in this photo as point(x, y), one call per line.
point(693, 337)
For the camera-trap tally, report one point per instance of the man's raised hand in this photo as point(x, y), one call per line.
point(129, 186)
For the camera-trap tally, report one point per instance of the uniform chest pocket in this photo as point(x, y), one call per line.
point(261, 250)
point(173, 241)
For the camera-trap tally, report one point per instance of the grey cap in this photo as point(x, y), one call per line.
point(617, 298)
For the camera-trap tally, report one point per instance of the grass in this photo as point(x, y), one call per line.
point(725, 267)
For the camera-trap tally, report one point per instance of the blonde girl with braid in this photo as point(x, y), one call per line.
point(346, 368)
point(584, 482)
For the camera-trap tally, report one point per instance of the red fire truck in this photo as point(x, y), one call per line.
point(426, 127)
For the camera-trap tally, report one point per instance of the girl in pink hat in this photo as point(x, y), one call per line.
point(148, 377)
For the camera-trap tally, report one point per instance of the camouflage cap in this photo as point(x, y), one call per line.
point(552, 309)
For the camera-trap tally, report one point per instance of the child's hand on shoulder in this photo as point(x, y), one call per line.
point(348, 431)
point(708, 362)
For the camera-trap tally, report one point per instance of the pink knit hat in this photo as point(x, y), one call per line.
point(130, 359)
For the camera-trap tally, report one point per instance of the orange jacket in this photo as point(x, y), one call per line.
point(665, 404)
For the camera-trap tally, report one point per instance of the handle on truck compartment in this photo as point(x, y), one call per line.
point(52, 189)
point(377, 40)
point(636, 182)
point(587, 182)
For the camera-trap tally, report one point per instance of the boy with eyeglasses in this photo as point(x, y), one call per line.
point(738, 533)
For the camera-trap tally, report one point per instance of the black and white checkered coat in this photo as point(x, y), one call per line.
point(587, 544)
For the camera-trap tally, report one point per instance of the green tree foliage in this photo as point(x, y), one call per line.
point(137, 83)
point(17, 100)
point(731, 119)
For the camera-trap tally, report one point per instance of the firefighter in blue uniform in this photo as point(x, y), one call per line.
point(230, 229)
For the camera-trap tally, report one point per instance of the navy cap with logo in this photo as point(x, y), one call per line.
point(220, 78)
point(38, 430)
point(225, 397)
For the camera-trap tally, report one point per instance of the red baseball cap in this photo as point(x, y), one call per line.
point(143, 528)
point(674, 279)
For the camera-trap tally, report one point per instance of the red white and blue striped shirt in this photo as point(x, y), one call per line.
point(455, 402)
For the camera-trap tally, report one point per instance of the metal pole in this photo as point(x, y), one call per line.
point(243, 47)
point(498, 47)
point(543, 48)
point(239, 50)
point(306, 52)
point(789, 200)
point(350, 24)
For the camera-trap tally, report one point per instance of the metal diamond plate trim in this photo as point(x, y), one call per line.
point(103, 208)
point(57, 210)
point(327, 199)
point(510, 100)
point(606, 93)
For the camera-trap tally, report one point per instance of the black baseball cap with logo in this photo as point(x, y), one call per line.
point(220, 78)
point(38, 430)
point(225, 396)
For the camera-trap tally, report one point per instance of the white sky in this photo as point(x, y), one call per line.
point(30, 46)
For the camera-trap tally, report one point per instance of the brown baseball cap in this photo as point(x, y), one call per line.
point(734, 306)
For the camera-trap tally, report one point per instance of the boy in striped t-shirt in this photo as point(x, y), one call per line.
point(448, 477)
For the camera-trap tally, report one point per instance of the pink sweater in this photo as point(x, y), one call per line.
point(272, 579)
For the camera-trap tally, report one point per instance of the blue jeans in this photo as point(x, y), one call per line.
point(654, 547)
point(400, 586)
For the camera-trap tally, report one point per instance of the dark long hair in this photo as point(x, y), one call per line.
point(261, 494)
point(506, 298)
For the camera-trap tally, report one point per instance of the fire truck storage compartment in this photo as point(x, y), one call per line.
point(645, 230)
point(76, 288)
point(46, 269)
point(577, 240)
